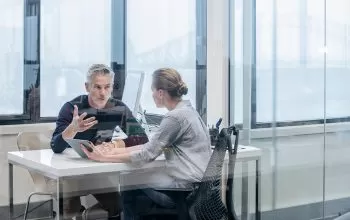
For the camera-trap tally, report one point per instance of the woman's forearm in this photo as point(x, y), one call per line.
point(126, 150)
point(133, 148)
point(117, 158)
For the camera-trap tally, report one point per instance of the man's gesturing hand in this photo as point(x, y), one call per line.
point(79, 124)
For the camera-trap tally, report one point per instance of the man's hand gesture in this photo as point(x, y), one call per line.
point(79, 124)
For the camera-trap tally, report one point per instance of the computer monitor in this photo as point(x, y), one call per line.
point(132, 95)
point(133, 90)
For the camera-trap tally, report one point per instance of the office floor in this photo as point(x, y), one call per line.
point(37, 210)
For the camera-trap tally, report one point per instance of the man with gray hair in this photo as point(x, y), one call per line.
point(74, 122)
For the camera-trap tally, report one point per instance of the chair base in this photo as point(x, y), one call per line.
point(28, 202)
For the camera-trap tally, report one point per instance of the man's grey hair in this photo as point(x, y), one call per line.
point(99, 69)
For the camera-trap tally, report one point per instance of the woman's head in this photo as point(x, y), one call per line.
point(168, 87)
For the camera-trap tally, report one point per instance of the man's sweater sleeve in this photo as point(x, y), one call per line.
point(65, 116)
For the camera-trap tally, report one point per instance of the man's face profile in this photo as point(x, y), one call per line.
point(99, 90)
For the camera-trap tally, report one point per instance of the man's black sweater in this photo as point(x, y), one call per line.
point(127, 123)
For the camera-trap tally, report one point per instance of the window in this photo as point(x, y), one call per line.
point(282, 30)
point(11, 57)
point(157, 36)
point(337, 72)
point(51, 49)
point(289, 51)
point(69, 46)
point(236, 53)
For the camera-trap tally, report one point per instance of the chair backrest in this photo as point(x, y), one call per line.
point(35, 141)
point(205, 201)
point(231, 169)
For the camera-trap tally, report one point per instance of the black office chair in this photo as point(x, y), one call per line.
point(204, 202)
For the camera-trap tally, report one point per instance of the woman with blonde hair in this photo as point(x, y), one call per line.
point(182, 136)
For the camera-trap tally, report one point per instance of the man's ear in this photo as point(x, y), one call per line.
point(87, 87)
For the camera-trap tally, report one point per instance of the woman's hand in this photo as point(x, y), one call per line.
point(119, 155)
point(96, 154)
point(119, 144)
point(111, 148)
point(105, 148)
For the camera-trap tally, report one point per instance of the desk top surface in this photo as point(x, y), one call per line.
point(69, 163)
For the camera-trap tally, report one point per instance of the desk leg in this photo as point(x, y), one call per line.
point(11, 191)
point(258, 190)
point(59, 203)
point(245, 186)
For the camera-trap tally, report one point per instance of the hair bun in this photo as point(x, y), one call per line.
point(182, 90)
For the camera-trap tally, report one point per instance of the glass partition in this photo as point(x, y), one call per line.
point(288, 77)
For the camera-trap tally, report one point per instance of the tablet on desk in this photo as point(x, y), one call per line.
point(76, 145)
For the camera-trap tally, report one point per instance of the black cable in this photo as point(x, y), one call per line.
point(30, 210)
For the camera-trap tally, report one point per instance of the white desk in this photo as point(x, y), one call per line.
point(69, 165)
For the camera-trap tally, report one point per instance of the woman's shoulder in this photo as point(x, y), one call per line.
point(182, 112)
